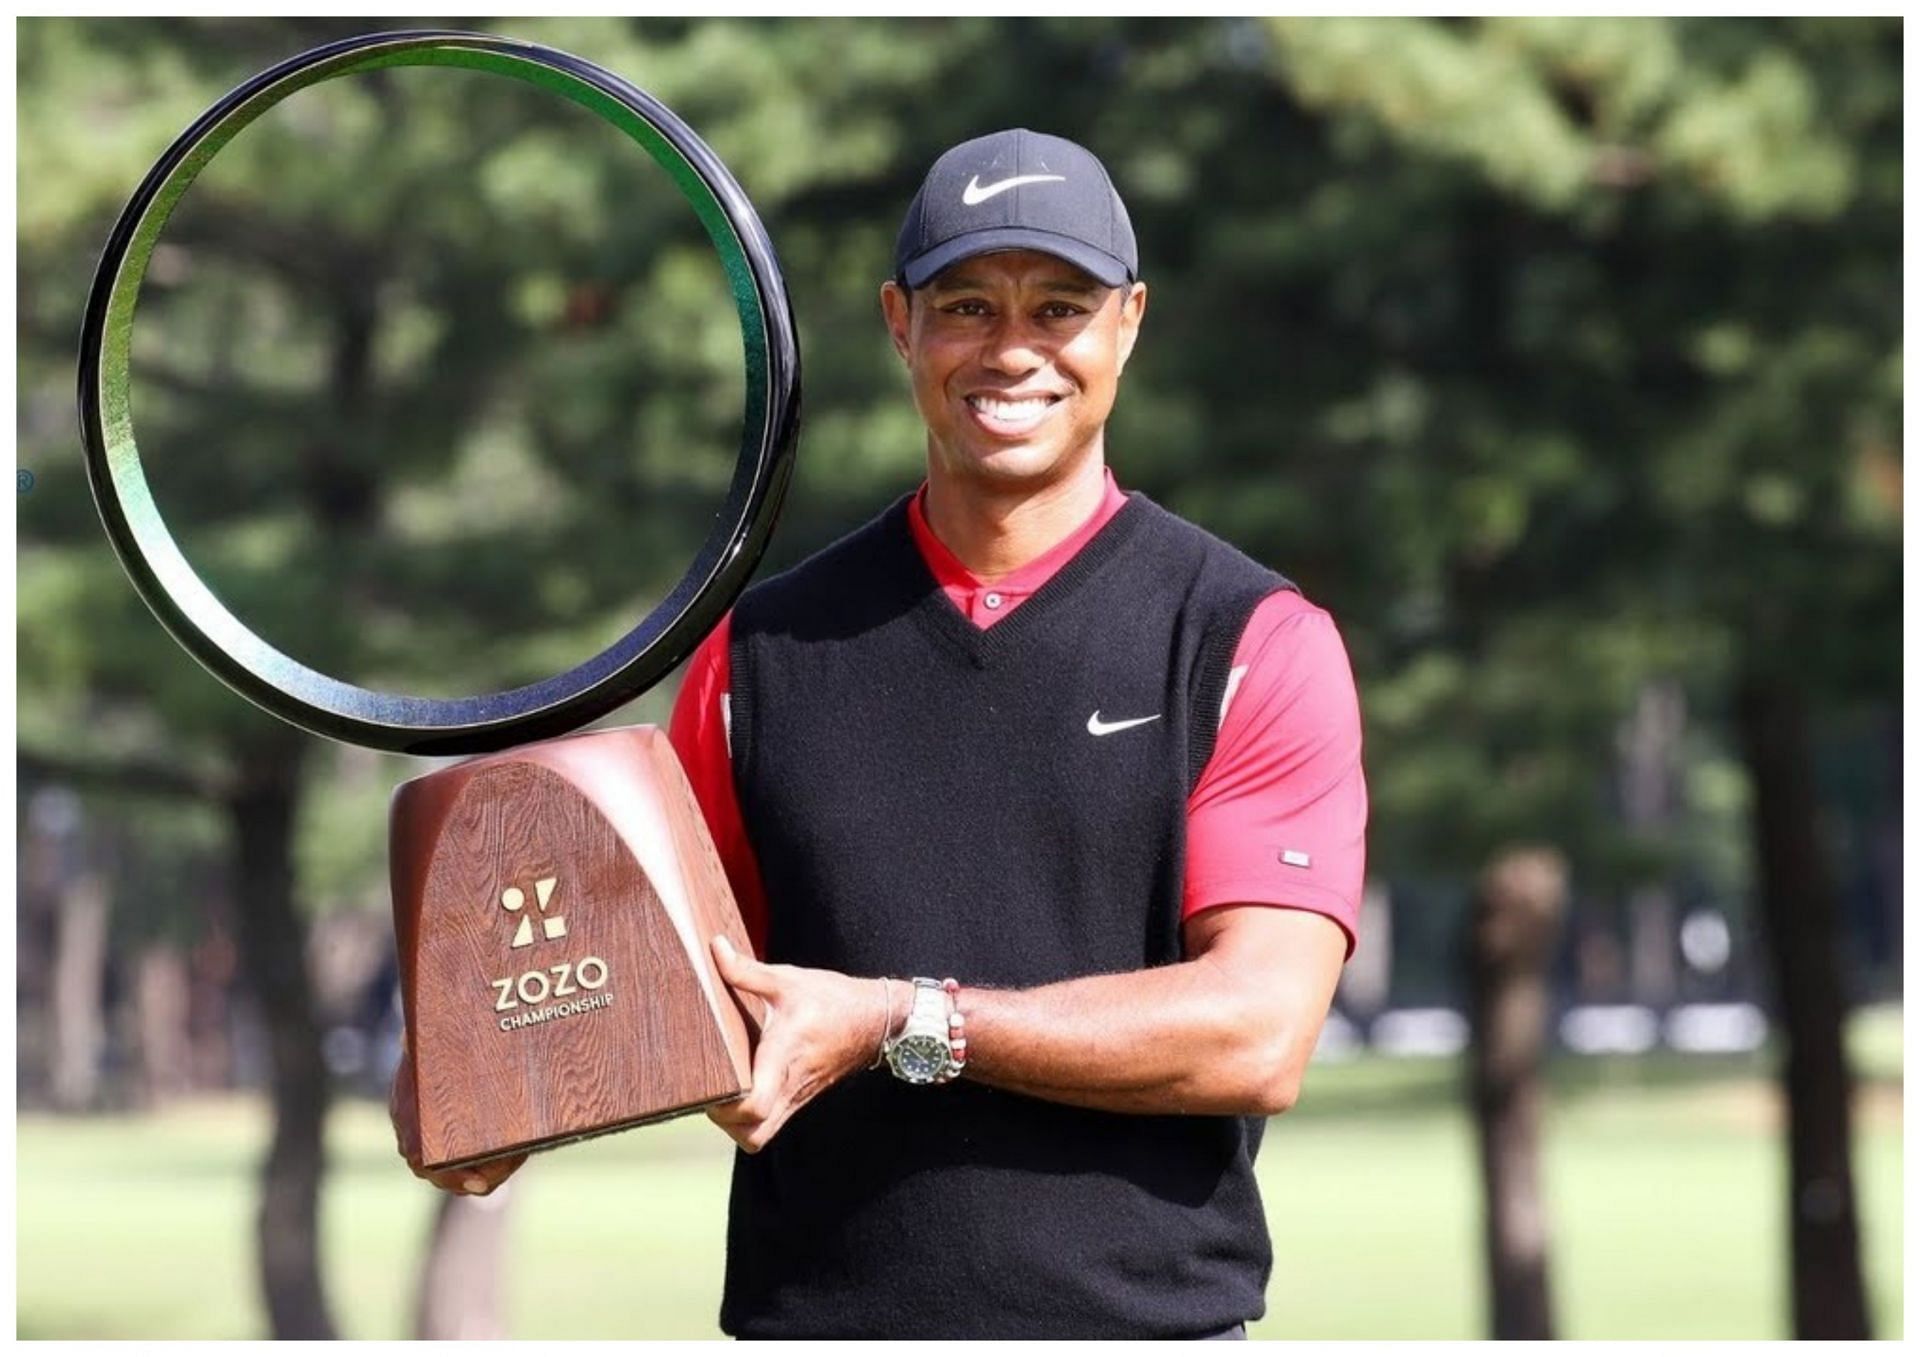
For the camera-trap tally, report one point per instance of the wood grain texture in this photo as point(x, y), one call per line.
point(503, 1059)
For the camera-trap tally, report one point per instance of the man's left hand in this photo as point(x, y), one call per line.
point(820, 1027)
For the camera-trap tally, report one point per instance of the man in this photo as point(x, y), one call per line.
point(1044, 738)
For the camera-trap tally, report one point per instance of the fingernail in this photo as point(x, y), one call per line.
point(475, 1183)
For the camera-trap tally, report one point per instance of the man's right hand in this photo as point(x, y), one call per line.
point(475, 1180)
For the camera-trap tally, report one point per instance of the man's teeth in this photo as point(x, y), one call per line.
point(1011, 411)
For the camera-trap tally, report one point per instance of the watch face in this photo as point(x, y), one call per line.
point(919, 1059)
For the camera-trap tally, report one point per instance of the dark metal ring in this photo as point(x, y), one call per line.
point(554, 706)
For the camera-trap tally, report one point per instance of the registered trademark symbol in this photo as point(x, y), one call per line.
point(24, 478)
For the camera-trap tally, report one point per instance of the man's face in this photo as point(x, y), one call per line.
point(1015, 360)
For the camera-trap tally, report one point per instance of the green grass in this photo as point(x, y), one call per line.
point(1664, 1184)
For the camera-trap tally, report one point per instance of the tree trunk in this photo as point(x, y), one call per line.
point(1801, 924)
point(1648, 746)
point(460, 1295)
point(273, 958)
point(1515, 924)
point(1653, 941)
point(79, 975)
point(160, 1001)
point(51, 819)
point(1366, 982)
point(214, 968)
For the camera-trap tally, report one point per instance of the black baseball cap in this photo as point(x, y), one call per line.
point(1017, 190)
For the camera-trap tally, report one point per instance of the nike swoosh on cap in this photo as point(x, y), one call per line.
point(974, 194)
point(1095, 726)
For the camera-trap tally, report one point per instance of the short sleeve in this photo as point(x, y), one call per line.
point(1279, 814)
point(699, 734)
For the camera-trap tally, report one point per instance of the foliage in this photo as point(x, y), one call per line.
point(1614, 302)
point(1551, 354)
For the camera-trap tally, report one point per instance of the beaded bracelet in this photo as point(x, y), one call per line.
point(956, 1027)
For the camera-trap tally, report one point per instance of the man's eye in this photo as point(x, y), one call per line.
point(1059, 310)
point(967, 309)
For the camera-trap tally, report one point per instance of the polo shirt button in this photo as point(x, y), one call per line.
point(993, 600)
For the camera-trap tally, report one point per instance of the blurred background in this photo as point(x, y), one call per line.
point(1559, 359)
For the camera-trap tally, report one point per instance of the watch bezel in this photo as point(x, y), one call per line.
point(938, 1053)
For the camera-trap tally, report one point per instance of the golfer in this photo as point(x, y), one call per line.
point(1044, 810)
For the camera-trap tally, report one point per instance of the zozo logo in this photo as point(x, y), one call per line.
point(535, 988)
point(555, 982)
point(553, 926)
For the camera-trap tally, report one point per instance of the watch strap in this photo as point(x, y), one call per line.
point(931, 1014)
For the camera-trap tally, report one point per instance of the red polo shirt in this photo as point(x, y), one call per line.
point(1279, 814)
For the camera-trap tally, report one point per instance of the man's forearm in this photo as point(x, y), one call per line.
point(1179, 1038)
point(1227, 1032)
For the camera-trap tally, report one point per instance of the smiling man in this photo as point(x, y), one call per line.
point(1050, 743)
point(1047, 743)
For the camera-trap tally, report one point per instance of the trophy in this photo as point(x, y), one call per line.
point(554, 895)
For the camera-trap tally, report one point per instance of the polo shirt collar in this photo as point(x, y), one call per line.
point(949, 572)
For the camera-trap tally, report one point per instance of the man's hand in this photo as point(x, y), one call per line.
point(820, 1027)
point(476, 1180)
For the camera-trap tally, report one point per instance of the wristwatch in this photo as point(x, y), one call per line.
point(922, 1053)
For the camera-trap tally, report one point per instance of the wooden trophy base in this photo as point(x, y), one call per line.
point(554, 905)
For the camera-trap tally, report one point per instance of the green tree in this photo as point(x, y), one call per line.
point(1650, 363)
point(377, 373)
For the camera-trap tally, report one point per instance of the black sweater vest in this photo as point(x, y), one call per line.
point(927, 798)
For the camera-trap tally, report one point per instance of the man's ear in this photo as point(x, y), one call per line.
point(1133, 307)
point(897, 307)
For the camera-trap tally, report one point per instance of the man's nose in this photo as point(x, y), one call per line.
point(1013, 346)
